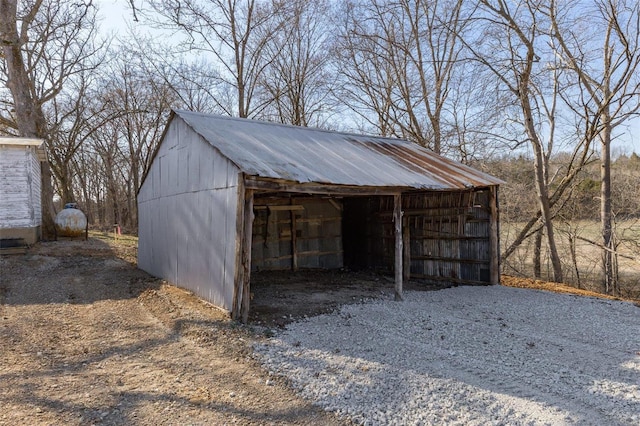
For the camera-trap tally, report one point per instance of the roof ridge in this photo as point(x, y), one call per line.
point(182, 112)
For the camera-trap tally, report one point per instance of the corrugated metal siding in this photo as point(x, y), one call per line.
point(310, 155)
point(19, 187)
point(187, 208)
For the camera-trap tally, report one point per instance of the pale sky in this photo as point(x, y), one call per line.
point(117, 15)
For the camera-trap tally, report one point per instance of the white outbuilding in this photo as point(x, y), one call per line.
point(20, 197)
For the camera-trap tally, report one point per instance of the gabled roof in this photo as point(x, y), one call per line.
point(302, 155)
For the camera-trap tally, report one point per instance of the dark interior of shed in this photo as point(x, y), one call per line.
point(446, 234)
point(313, 253)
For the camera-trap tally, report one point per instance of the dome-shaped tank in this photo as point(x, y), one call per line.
point(71, 222)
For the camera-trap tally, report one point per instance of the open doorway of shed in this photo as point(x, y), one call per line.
point(280, 297)
point(319, 232)
point(311, 254)
point(447, 240)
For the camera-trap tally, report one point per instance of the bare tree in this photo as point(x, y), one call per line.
point(515, 33)
point(369, 87)
point(297, 82)
point(416, 44)
point(137, 104)
point(40, 55)
point(430, 40)
point(234, 33)
point(607, 88)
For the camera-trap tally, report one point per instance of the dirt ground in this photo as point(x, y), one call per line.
point(279, 298)
point(86, 338)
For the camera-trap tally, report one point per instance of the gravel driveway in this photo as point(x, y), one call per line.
point(468, 355)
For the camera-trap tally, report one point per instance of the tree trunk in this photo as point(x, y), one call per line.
point(48, 210)
point(537, 255)
point(547, 220)
point(608, 283)
point(65, 185)
point(28, 113)
point(541, 184)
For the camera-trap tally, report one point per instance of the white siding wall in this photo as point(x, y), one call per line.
point(19, 187)
point(36, 196)
point(187, 216)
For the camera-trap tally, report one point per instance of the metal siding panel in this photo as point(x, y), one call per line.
point(158, 238)
point(182, 175)
point(219, 170)
point(233, 175)
point(155, 179)
point(191, 262)
point(207, 247)
point(186, 211)
point(206, 259)
point(147, 239)
point(172, 210)
point(182, 218)
point(143, 235)
point(194, 166)
point(206, 160)
point(231, 204)
point(218, 244)
point(163, 251)
point(143, 192)
point(171, 172)
point(166, 251)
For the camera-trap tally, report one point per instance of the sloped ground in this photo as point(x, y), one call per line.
point(518, 282)
point(86, 338)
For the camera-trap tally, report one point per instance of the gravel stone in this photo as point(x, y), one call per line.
point(468, 355)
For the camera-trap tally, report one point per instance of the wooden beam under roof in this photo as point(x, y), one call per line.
point(279, 185)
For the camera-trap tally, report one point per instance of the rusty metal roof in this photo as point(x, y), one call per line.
point(303, 155)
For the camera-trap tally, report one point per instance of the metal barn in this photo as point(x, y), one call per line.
point(226, 196)
point(20, 213)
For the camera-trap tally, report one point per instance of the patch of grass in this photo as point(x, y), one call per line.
point(123, 246)
point(110, 237)
point(519, 282)
point(581, 259)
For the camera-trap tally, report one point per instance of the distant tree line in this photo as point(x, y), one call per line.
point(535, 91)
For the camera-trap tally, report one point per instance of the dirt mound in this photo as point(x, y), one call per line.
point(520, 282)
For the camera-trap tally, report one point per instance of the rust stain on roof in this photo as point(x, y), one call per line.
point(303, 155)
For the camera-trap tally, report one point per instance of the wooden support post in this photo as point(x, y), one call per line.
point(294, 244)
point(238, 276)
point(397, 219)
point(406, 246)
point(247, 231)
point(494, 237)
